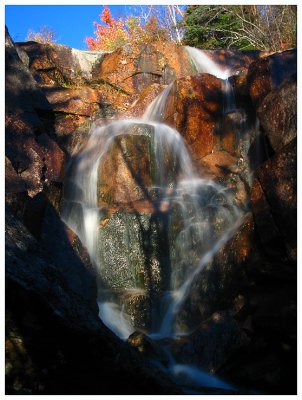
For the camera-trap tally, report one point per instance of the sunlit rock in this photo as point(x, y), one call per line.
point(193, 107)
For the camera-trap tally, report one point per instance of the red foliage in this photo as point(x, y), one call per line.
point(108, 37)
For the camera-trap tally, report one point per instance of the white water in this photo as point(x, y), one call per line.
point(155, 110)
point(204, 64)
point(197, 201)
point(194, 377)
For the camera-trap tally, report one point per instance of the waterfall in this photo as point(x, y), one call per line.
point(155, 110)
point(229, 104)
point(166, 197)
point(204, 64)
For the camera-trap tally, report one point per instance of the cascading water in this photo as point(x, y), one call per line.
point(155, 110)
point(178, 221)
point(204, 64)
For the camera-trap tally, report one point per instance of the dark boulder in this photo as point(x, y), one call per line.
point(214, 341)
point(270, 72)
point(278, 179)
point(28, 145)
point(222, 279)
point(277, 114)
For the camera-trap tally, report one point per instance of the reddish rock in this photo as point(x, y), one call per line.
point(230, 132)
point(277, 114)
point(66, 124)
point(33, 154)
point(56, 64)
point(132, 69)
point(233, 60)
point(53, 158)
point(82, 102)
point(217, 164)
point(119, 180)
point(127, 171)
point(193, 108)
point(259, 80)
point(140, 104)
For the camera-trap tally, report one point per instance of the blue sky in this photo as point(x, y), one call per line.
point(72, 23)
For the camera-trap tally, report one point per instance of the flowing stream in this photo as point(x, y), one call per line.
point(180, 221)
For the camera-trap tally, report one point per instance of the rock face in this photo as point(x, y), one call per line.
point(32, 152)
point(241, 312)
point(192, 100)
point(270, 72)
point(277, 114)
point(222, 279)
point(76, 349)
point(278, 178)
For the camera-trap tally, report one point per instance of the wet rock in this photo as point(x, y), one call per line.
point(232, 132)
point(193, 108)
point(224, 278)
point(57, 335)
point(151, 349)
point(277, 114)
point(148, 94)
point(125, 174)
point(214, 341)
point(128, 171)
point(228, 171)
point(217, 164)
point(278, 179)
point(133, 263)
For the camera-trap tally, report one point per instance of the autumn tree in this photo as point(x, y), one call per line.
point(151, 24)
point(241, 27)
point(44, 35)
point(110, 36)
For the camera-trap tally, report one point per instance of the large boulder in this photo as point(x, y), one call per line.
point(217, 285)
point(270, 72)
point(277, 114)
point(132, 69)
point(135, 164)
point(193, 107)
point(278, 179)
point(233, 60)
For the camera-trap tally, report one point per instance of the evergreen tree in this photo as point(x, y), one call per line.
point(242, 27)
